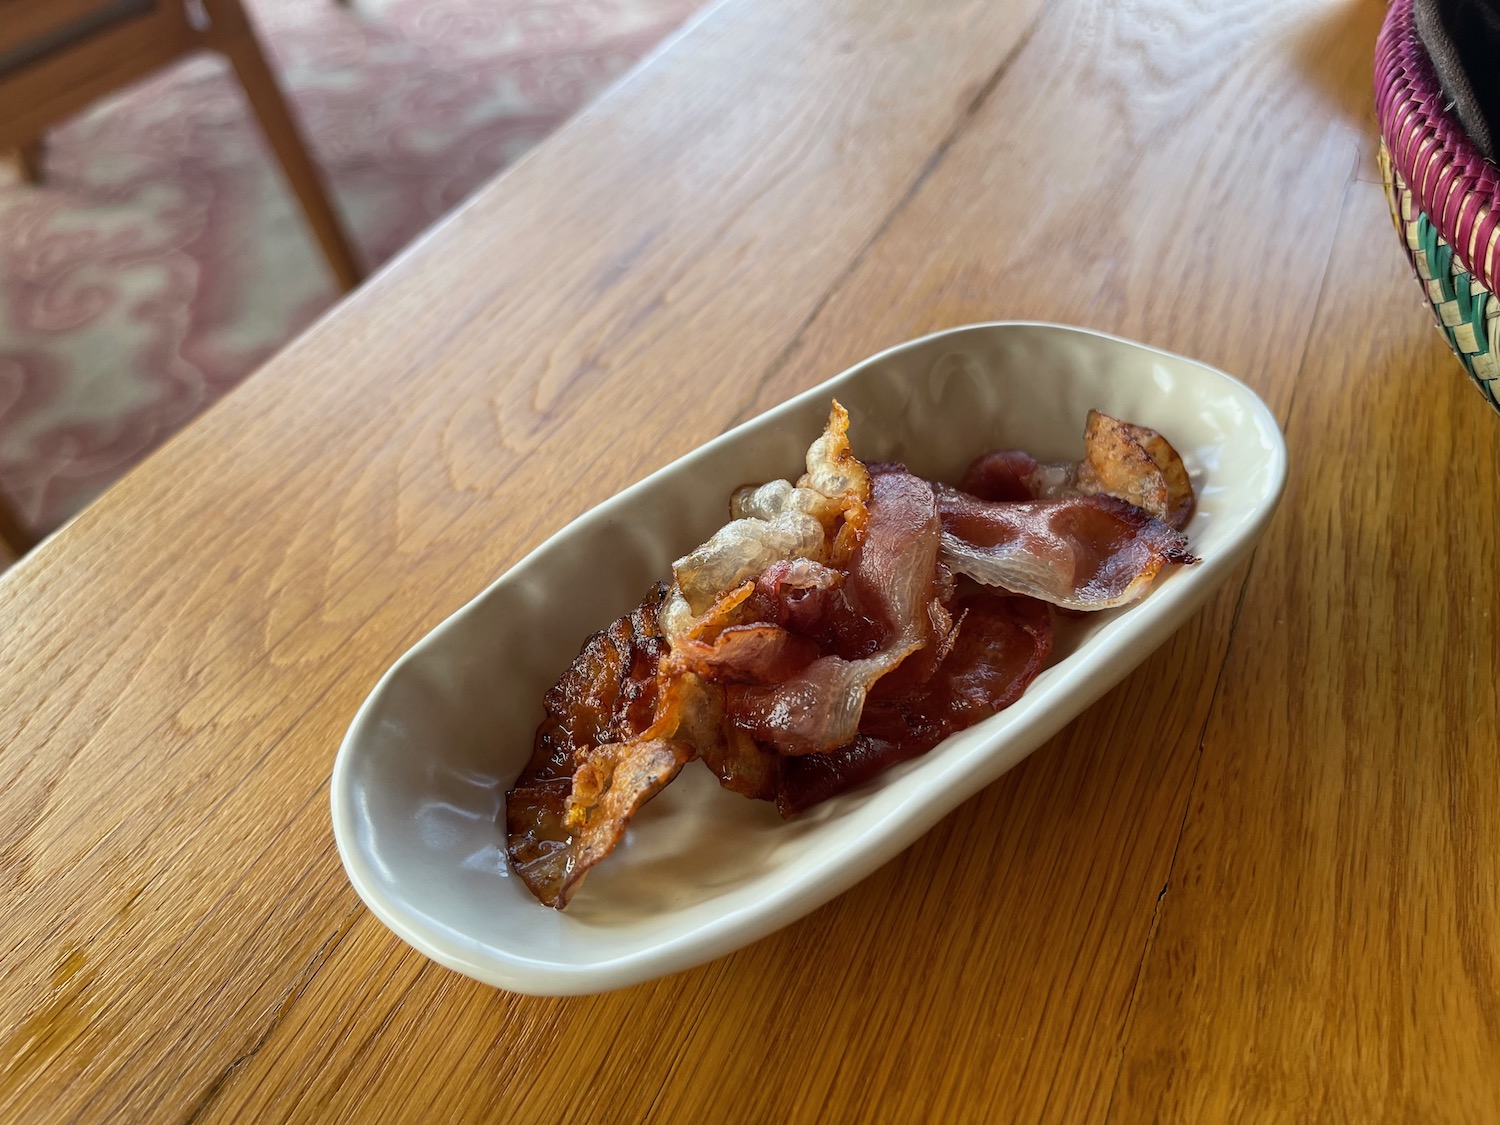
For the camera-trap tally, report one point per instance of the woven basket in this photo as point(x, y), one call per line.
point(1444, 198)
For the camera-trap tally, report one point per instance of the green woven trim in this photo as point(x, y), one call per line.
point(1466, 311)
point(1471, 301)
point(1439, 254)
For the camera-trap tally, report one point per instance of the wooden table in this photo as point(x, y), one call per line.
point(1257, 882)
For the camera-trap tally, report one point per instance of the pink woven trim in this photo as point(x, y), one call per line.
point(1457, 188)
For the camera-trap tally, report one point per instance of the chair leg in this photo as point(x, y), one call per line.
point(231, 34)
point(15, 535)
point(29, 160)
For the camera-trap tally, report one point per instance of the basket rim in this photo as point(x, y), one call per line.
point(1439, 165)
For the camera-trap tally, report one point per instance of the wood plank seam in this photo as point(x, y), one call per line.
point(1160, 905)
point(960, 124)
point(1187, 810)
point(298, 984)
point(293, 994)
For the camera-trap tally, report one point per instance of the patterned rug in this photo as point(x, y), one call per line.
point(164, 259)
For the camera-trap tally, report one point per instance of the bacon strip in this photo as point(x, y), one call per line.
point(755, 654)
point(612, 782)
point(744, 765)
point(598, 755)
point(891, 579)
point(1001, 645)
point(820, 518)
point(1084, 552)
point(1133, 463)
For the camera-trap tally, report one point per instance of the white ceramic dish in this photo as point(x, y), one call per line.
point(420, 779)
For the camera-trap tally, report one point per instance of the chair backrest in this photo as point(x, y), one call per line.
point(30, 29)
point(57, 56)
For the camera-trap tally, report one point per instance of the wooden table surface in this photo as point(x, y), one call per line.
point(1256, 882)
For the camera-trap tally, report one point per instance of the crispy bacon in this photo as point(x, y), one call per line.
point(1084, 552)
point(608, 694)
point(891, 585)
point(821, 518)
point(821, 636)
point(1002, 643)
point(596, 759)
point(612, 782)
point(1131, 462)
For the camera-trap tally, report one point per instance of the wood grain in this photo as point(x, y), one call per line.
point(163, 793)
point(1329, 948)
point(1234, 889)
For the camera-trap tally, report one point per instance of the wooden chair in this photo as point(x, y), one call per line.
point(58, 56)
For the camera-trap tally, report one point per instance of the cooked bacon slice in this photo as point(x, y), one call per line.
point(1002, 643)
point(608, 694)
point(759, 632)
point(747, 654)
point(1133, 463)
point(743, 765)
point(742, 549)
point(715, 653)
point(892, 580)
point(612, 782)
point(559, 828)
point(797, 594)
point(597, 757)
point(1084, 552)
point(1010, 475)
point(537, 837)
point(820, 518)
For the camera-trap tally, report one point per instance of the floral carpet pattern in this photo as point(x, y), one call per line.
point(163, 259)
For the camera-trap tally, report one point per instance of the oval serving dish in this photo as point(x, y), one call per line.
point(419, 783)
